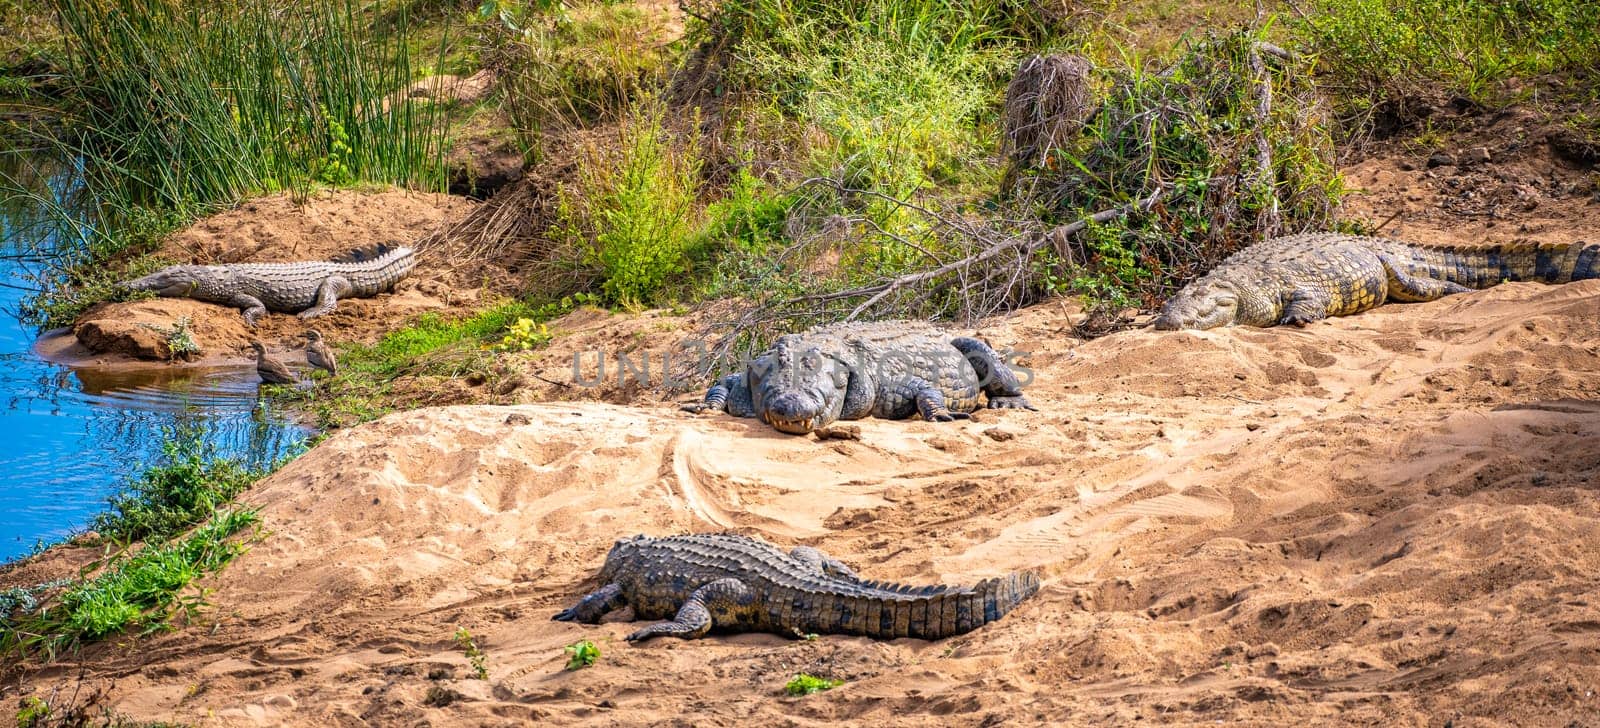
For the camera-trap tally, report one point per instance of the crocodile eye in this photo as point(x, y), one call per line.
point(811, 360)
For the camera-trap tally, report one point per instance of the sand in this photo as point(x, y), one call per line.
point(1385, 519)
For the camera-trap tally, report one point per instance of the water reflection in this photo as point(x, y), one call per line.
point(69, 437)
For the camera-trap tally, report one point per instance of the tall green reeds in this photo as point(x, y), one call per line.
point(181, 105)
point(172, 108)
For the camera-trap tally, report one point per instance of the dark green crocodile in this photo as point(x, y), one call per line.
point(737, 583)
point(311, 288)
point(887, 369)
point(1298, 279)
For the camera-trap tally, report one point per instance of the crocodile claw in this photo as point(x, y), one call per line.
point(566, 615)
point(695, 408)
point(1017, 402)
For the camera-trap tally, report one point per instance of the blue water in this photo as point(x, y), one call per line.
point(70, 437)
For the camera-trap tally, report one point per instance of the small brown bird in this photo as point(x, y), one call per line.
point(271, 370)
point(318, 354)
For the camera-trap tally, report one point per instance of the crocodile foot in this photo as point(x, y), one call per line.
point(1011, 402)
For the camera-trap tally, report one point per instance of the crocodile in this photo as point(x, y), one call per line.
point(1299, 279)
point(310, 288)
point(737, 583)
point(886, 369)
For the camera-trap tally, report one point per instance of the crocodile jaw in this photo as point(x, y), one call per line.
point(168, 283)
point(800, 413)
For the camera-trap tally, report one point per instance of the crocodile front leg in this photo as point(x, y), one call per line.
point(730, 394)
point(591, 608)
point(821, 563)
point(1000, 384)
point(1305, 306)
point(720, 602)
point(328, 296)
point(253, 307)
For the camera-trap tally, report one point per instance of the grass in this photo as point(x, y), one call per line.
point(169, 498)
point(896, 97)
point(574, 65)
point(1377, 52)
point(805, 684)
point(429, 346)
point(141, 592)
point(171, 524)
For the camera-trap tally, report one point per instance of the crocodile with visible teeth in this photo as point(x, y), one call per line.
point(742, 584)
point(1298, 279)
point(310, 288)
point(887, 369)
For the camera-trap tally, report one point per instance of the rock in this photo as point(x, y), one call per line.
point(1475, 155)
point(450, 87)
point(135, 328)
point(517, 418)
point(1440, 159)
point(999, 435)
point(839, 432)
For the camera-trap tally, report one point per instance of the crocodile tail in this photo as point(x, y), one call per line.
point(1003, 593)
point(1489, 265)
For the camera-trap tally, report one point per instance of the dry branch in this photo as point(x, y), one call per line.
point(1025, 245)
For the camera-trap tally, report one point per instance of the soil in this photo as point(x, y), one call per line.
point(278, 229)
point(1382, 519)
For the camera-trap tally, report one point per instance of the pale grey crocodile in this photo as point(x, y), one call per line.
point(310, 289)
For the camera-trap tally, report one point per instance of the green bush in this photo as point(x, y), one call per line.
point(168, 498)
point(1191, 130)
point(893, 96)
point(633, 213)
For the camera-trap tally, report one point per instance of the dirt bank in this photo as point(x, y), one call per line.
point(277, 229)
point(1383, 519)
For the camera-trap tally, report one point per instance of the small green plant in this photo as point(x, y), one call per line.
point(34, 712)
point(332, 169)
point(180, 340)
point(806, 684)
point(523, 335)
point(469, 647)
point(581, 654)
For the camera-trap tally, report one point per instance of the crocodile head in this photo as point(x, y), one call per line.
point(802, 388)
point(179, 281)
point(1202, 305)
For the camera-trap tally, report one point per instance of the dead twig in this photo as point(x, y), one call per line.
point(1025, 245)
